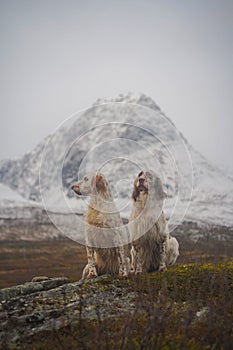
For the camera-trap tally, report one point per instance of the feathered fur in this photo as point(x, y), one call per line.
point(152, 247)
point(103, 225)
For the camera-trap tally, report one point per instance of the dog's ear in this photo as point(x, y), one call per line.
point(160, 194)
point(100, 183)
point(135, 191)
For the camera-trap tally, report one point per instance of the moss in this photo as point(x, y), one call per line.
point(166, 315)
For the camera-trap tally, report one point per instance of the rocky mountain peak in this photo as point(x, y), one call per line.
point(133, 98)
point(118, 136)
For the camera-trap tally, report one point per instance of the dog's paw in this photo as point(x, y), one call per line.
point(162, 268)
point(123, 272)
point(91, 275)
point(138, 268)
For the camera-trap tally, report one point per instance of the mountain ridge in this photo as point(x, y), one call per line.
point(114, 128)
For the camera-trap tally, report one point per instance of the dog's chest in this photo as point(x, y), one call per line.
point(94, 217)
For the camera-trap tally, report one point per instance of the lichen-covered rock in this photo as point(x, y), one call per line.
point(188, 306)
point(32, 287)
point(50, 304)
point(39, 278)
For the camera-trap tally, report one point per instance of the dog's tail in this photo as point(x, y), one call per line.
point(172, 251)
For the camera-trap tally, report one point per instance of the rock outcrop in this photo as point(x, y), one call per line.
point(186, 307)
point(50, 304)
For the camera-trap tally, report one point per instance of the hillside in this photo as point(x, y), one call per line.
point(187, 307)
point(117, 136)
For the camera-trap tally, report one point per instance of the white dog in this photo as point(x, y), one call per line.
point(152, 247)
point(102, 222)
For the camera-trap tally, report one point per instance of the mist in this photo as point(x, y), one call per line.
point(58, 57)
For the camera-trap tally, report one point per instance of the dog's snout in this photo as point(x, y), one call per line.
point(141, 180)
point(74, 187)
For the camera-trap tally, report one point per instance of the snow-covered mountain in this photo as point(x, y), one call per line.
point(118, 137)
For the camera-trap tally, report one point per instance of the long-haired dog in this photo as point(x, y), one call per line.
point(152, 247)
point(103, 227)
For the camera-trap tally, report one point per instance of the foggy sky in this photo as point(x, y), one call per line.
point(60, 56)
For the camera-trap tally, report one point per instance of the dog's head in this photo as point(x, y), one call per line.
point(92, 185)
point(147, 182)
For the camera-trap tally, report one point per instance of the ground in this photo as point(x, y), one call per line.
point(188, 307)
point(21, 260)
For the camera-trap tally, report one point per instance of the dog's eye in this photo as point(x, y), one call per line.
point(85, 178)
point(140, 174)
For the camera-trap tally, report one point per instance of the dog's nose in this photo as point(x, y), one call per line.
point(141, 180)
point(73, 187)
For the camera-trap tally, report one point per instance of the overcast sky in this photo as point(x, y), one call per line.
point(57, 57)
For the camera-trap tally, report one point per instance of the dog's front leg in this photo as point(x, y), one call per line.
point(136, 259)
point(85, 272)
point(91, 263)
point(123, 270)
point(162, 265)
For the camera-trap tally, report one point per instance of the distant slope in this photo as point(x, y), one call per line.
point(122, 143)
